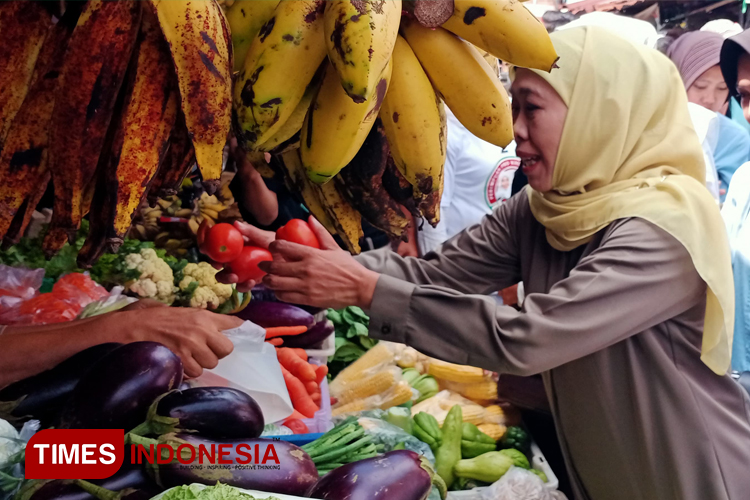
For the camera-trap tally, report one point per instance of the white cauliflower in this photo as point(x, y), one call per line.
point(156, 280)
point(210, 294)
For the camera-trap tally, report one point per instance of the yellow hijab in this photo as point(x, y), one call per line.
point(628, 149)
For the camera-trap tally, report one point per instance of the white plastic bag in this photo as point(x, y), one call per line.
point(252, 367)
point(520, 484)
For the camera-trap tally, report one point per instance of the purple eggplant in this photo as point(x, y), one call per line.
point(315, 335)
point(118, 390)
point(42, 396)
point(261, 293)
point(397, 475)
point(213, 412)
point(271, 314)
point(293, 473)
point(128, 477)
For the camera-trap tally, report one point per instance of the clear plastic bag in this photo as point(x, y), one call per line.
point(12, 446)
point(520, 484)
point(114, 302)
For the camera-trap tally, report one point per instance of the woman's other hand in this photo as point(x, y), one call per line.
point(252, 236)
point(195, 335)
point(325, 277)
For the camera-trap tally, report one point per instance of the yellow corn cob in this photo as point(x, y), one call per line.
point(379, 383)
point(493, 414)
point(495, 431)
point(473, 414)
point(486, 390)
point(455, 373)
point(399, 395)
point(377, 356)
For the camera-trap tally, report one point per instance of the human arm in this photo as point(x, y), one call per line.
point(639, 277)
point(193, 334)
point(250, 190)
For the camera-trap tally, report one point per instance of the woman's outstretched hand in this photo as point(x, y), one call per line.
point(325, 277)
point(252, 236)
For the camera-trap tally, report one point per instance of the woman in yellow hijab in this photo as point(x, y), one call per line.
point(625, 263)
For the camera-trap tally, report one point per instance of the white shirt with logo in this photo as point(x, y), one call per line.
point(477, 178)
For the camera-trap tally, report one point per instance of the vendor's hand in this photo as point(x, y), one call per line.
point(252, 236)
point(193, 334)
point(325, 277)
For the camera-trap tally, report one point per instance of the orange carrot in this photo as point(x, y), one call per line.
point(296, 414)
point(320, 373)
point(300, 369)
point(276, 342)
point(300, 352)
point(298, 394)
point(283, 331)
point(312, 387)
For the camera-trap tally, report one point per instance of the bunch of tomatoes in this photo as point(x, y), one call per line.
point(224, 244)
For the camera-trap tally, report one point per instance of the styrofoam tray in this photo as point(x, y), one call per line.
point(537, 461)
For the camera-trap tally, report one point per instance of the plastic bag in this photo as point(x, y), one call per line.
point(252, 367)
point(18, 284)
point(12, 446)
point(520, 484)
point(114, 302)
point(68, 297)
point(390, 435)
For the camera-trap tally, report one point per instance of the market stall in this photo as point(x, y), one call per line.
point(350, 116)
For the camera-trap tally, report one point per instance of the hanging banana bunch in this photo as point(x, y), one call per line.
point(317, 75)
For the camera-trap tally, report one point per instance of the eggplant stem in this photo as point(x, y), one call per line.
point(96, 491)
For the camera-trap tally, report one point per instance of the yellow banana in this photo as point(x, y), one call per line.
point(360, 35)
point(183, 212)
point(211, 213)
point(361, 183)
point(324, 202)
point(506, 29)
point(23, 26)
point(335, 127)
point(245, 18)
point(294, 123)
point(193, 225)
point(198, 36)
point(465, 80)
point(23, 158)
point(218, 207)
point(280, 64)
point(415, 124)
point(95, 63)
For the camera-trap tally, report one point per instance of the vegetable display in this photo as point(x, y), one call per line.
point(396, 475)
point(214, 412)
point(118, 390)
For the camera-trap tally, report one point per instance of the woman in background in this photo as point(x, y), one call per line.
point(697, 56)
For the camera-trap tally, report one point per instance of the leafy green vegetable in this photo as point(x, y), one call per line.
point(217, 492)
point(352, 340)
point(355, 330)
point(185, 492)
point(28, 253)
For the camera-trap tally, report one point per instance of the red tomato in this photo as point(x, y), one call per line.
point(298, 231)
point(223, 243)
point(246, 265)
point(296, 425)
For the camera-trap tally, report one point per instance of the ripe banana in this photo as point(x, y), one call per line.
point(280, 64)
point(245, 18)
point(505, 29)
point(23, 215)
point(360, 35)
point(415, 124)
point(324, 202)
point(293, 124)
point(361, 182)
point(177, 164)
point(142, 136)
point(465, 80)
point(94, 68)
point(23, 158)
point(198, 37)
point(23, 27)
point(335, 127)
